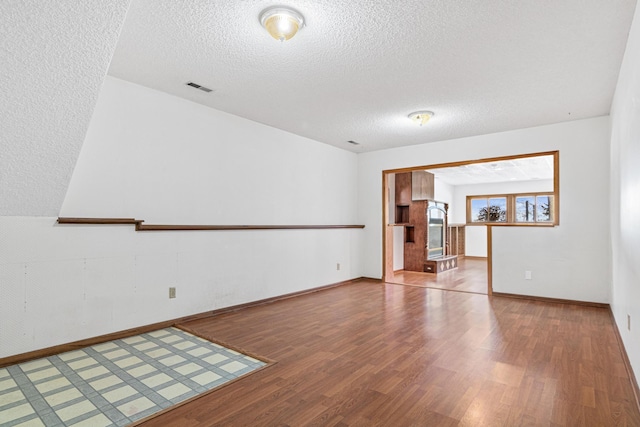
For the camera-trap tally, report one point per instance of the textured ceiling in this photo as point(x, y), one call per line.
point(522, 169)
point(53, 58)
point(359, 67)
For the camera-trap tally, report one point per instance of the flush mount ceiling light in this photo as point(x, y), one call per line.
point(281, 22)
point(421, 117)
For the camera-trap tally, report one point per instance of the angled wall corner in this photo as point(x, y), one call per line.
point(54, 57)
point(625, 199)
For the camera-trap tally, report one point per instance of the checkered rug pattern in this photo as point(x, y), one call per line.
point(117, 382)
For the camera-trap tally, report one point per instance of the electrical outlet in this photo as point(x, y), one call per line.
point(338, 266)
point(527, 275)
point(172, 292)
point(628, 322)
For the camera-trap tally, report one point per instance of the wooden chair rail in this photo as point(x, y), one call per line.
point(181, 227)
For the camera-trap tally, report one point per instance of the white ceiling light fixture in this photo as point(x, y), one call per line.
point(421, 117)
point(281, 22)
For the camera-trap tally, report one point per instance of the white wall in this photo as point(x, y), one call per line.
point(159, 158)
point(576, 243)
point(625, 197)
point(475, 241)
point(163, 159)
point(443, 192)
point(476, 236)
point(398, 248)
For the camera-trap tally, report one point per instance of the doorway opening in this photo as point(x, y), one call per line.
point(437, 219)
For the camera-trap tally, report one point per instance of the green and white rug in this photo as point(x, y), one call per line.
point(117, 382)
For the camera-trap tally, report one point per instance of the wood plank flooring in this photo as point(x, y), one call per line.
point(376, 354)
point(470, 276)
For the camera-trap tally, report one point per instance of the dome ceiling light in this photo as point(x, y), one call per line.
point(281, 22)
point(421, 117)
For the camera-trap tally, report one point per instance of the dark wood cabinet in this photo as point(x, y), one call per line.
point(402, 214)
point(426, 233)
point(403, 189)
point(414, 251)
point(422, 185)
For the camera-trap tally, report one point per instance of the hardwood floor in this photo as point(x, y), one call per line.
point(470, 276)
point(371, 353)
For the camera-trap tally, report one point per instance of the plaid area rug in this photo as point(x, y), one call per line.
point(117, 382)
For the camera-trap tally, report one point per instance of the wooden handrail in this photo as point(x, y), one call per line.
point(67, 220)
point(180, 227)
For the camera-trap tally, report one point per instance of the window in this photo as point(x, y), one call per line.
point(525, 207)
point(534, 208)
point(489, 209)
point(511, 209)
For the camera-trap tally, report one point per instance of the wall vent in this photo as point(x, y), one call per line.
point(353, 142)
point(197, 86)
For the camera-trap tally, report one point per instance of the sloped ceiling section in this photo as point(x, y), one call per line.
point(54, 56)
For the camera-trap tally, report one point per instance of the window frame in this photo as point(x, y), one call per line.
point(535, 213)
point(511, 209)
point(488, 204)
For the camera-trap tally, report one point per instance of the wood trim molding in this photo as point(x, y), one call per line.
point(512, 224)
point(510, 202)
point(50, 351)
point(489, 261)
point(62, 348)
point(471, 162)
point(386, 253)
point(181, 227)
point(556, 186)
point(387, 230)
point(553, 300)
point(68, 220)
point(625, 357)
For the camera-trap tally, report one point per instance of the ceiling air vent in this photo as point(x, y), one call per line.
point(353, 142)
point(197, 86)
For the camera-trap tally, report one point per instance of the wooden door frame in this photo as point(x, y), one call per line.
point(387, 229)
